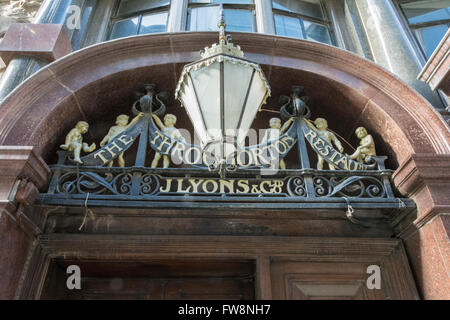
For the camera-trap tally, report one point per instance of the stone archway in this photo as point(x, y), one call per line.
point(85, 84)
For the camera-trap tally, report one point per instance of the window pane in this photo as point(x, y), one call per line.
point(130, 6)
point(203, 19)
point(426, 11)
point(153, 23)
point(288, 26)
point(306, 7)
point(125, 28)
point(430, 37)
point(317, 32)
point(239, 20)
point(206, 18)
point(223, 1)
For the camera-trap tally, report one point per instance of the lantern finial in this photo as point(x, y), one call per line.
point(225, 46)
point(222, 25)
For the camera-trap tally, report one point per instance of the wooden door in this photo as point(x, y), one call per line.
point(154, 280)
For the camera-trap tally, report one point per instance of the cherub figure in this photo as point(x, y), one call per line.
point(74, 141)
point(168, 128)
point(366, 146)
point(274, 132)
point(330, 137)
point(121, 126)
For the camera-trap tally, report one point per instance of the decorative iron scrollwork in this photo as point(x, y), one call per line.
point(355, 186)
point(296, 187)
point(361, 176)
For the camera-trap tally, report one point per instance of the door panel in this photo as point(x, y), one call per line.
point(321, 281)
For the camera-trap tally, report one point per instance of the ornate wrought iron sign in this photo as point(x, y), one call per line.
point(220, 170)
point(256, 181)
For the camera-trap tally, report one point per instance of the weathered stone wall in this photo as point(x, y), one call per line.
point(12, 11)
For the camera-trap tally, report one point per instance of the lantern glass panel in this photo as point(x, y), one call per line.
point(206, 82)
point(255, 98)
point(236, 84)
point(189, 98)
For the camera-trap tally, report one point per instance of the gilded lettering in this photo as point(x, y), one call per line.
point(229, 184)
point(99, 155)
point(335, 153)
point(179, 149)
point(277, 186)
point(124, 141)
point(214, 185)
point(255, 189)
point(158, 135)
point(288, 139)
point(188, 155)
point(317, 143)
point(195, 185)
point(243, 155)
point(166, 141)
point(277, 147)
point(168, 185)
point(343, 161)
point(261, 186)
point(113, 146)
point(273, 155)
point(310, 135)
point(244, 185)
point(259, 157)
point(180, 187)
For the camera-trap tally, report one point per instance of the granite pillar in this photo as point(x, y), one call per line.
point(22, 66)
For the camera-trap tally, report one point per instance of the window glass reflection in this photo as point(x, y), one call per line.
point(206, 18)
point(288, 26)
point(154, 23)
point(239, 20)
point(131, 6)
point(429, 20)
point(310, 8)
point(317, 32)
point(124, 28)
point(149, 16)
point(426, 11)
point(222, 1)
point(203, 19)
point(302, 20)
point(429, 37)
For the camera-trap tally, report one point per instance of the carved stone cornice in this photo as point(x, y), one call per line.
point(22, 173)
point(426, 179)
point(48, 42)
point(22, 162)
point(422, 169)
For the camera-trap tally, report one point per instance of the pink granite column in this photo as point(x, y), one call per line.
point(22, 172)
point(426, 179)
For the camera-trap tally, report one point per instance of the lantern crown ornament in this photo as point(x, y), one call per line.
point(222, 93)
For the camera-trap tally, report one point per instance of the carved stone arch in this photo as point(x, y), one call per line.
point(342, 86)
point(76, 86)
